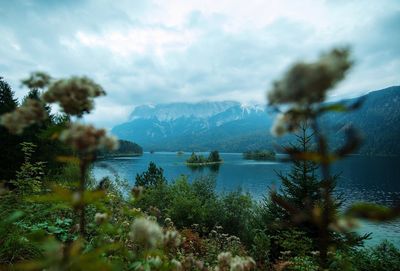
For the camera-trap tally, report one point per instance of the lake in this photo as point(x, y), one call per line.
point(375, 179)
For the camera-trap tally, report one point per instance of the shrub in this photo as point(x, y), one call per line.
point(383, 257)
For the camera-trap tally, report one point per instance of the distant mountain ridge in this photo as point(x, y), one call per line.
point(172, 111)
point(229, 126)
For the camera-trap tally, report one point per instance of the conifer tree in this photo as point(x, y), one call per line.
point(300, 195)
point(301, 186)
point(152, 177)
point(7, 100)
point(10, 157)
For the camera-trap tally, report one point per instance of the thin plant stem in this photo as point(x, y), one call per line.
point(81, 191)
point(327, 206)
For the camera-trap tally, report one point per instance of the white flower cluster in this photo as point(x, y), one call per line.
point(30, 112)
point(172, 239)
point(176, 265)
point(308, 83)
point(86, 138)
point(146, 233)
point(100, 218)
point(75, 95)
point(168, 223)
point(237, 263)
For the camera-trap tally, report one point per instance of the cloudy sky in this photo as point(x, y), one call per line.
point(164, 51)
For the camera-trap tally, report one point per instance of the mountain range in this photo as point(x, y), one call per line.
point(230, 126)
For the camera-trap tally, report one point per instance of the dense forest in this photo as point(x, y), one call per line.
point(56, 216)
point(125, 148)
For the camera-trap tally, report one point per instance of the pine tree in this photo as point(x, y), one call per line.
point(152, 177)
point(7, 101)
point(10, 156)
point(214, 157)
point(301, 186)
point(300, 197)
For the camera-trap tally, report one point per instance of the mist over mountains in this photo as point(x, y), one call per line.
point(230, 126)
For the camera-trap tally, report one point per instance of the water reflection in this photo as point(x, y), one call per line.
point(213, 168)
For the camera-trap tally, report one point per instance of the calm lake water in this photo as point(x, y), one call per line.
point(375, 179)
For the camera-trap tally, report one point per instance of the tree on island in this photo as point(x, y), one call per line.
point(213, 157)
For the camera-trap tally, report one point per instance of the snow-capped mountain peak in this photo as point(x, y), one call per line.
point(173, 111)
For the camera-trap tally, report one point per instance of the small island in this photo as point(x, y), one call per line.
point(200, 160)
point(126, 149)
point(259, 155)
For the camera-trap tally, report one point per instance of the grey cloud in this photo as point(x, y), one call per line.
point(218, 63)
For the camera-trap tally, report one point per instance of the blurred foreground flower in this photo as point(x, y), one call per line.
point(172, 239)
point(308, 83)
point(237, 263)
point(146, 233)
point(286, 122)
point(37, 80)
point(29, 113)
point(75, 95)
point(86, 138)
point(304, 87)
point(100, 218)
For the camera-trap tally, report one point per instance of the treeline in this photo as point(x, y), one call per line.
point(39, 134)
point(259, 155)
point(125, 148)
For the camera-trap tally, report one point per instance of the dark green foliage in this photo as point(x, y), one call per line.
point(152, 177)
point(29, 177)
point(7, 100)
point(260, 247)
point(129, 147)
point(302, 263)
point(10, 157)
point(126, 148)
point(289, 210)
point(196, 159)
point(237, 209)
point(213, 158)
point(48, 148)
point(14, 244)
point(300, 188)
point(259, 155)
point(185, 207)
point(198, 203)
point(384, 257)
